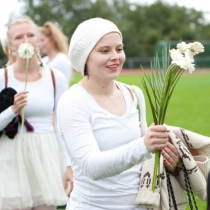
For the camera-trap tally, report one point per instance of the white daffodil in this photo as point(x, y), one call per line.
point(25, 51)
point(176, 55)
point(159, 96)
point(189, 56)
point(190, 66)
point(177, 58)
point(196, 47)
point(182, 47)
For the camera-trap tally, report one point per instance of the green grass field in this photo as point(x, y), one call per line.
point(189, 107)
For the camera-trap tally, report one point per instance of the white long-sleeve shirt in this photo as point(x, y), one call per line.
point(106, 150)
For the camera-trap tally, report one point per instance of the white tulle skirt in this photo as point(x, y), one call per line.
point(31, 171)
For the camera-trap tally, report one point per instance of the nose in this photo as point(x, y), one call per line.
point(25, 39)
point(114, 55)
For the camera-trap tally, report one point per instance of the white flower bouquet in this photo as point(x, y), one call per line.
point(25, 51)
point(159, 85)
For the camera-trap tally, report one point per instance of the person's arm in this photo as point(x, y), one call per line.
point(20, 100)
point(61, 87)
point(6, 117)
point(73, 119)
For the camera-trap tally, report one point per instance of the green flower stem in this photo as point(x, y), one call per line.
point(156, 171)
point(27, 64)
point(26, 81)
point(159, 87)
point(171, 78)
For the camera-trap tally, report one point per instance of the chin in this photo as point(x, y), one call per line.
point(115, 74)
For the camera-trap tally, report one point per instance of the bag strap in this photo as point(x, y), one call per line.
point(52, 75)
point(53, 81)
point(6, 77)
point(138, 102)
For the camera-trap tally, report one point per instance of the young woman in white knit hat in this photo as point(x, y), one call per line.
point(100, 124)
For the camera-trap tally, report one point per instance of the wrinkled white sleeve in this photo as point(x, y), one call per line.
point(73, 119)
point(7, 115)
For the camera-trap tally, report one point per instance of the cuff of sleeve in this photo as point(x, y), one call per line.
point(10, 112)
point(68, 162)
point(6, 117)
point(144, 149)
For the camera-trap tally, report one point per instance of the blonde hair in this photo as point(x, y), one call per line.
point(59, 38)
point(24, 19)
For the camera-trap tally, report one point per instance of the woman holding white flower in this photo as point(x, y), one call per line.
point(99, 120)
point(32, 167)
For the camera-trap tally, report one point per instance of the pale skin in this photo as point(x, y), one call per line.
point(47, 46)
point(68, 180)
point(21, 33)
point(104, 64)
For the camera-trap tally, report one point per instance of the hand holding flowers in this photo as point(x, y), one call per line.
point(25, 51)
point(159, 85)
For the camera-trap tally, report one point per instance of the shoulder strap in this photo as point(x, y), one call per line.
point(53, 81)
point(52, 75)
point(138, 102)
point(130, 91)
point(6, 76)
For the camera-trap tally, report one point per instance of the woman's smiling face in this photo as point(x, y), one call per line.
point(107, 58)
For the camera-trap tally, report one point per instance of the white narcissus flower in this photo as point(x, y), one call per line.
point(189, 56)
point(182, 47)
point(25, 51)
point(177, 58)
point(176, 55)
point(184, 55)
point(190, 66)
point(182, 59)
point(196, 47)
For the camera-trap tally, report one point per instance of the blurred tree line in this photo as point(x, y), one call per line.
point(142, 26)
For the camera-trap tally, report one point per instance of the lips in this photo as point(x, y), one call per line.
point(113, 67)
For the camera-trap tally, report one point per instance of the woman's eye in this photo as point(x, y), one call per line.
point(105, 51)
point(120, 49)
point(18, 37)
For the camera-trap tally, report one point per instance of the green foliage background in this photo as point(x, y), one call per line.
point(142, 26)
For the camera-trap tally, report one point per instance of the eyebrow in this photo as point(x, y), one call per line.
point(107, 46)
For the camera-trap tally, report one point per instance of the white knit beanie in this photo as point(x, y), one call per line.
point(84, 39)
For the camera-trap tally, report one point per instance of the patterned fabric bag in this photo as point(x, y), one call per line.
point(191, 176)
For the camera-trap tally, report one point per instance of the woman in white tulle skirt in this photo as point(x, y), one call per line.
point(31, 165)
